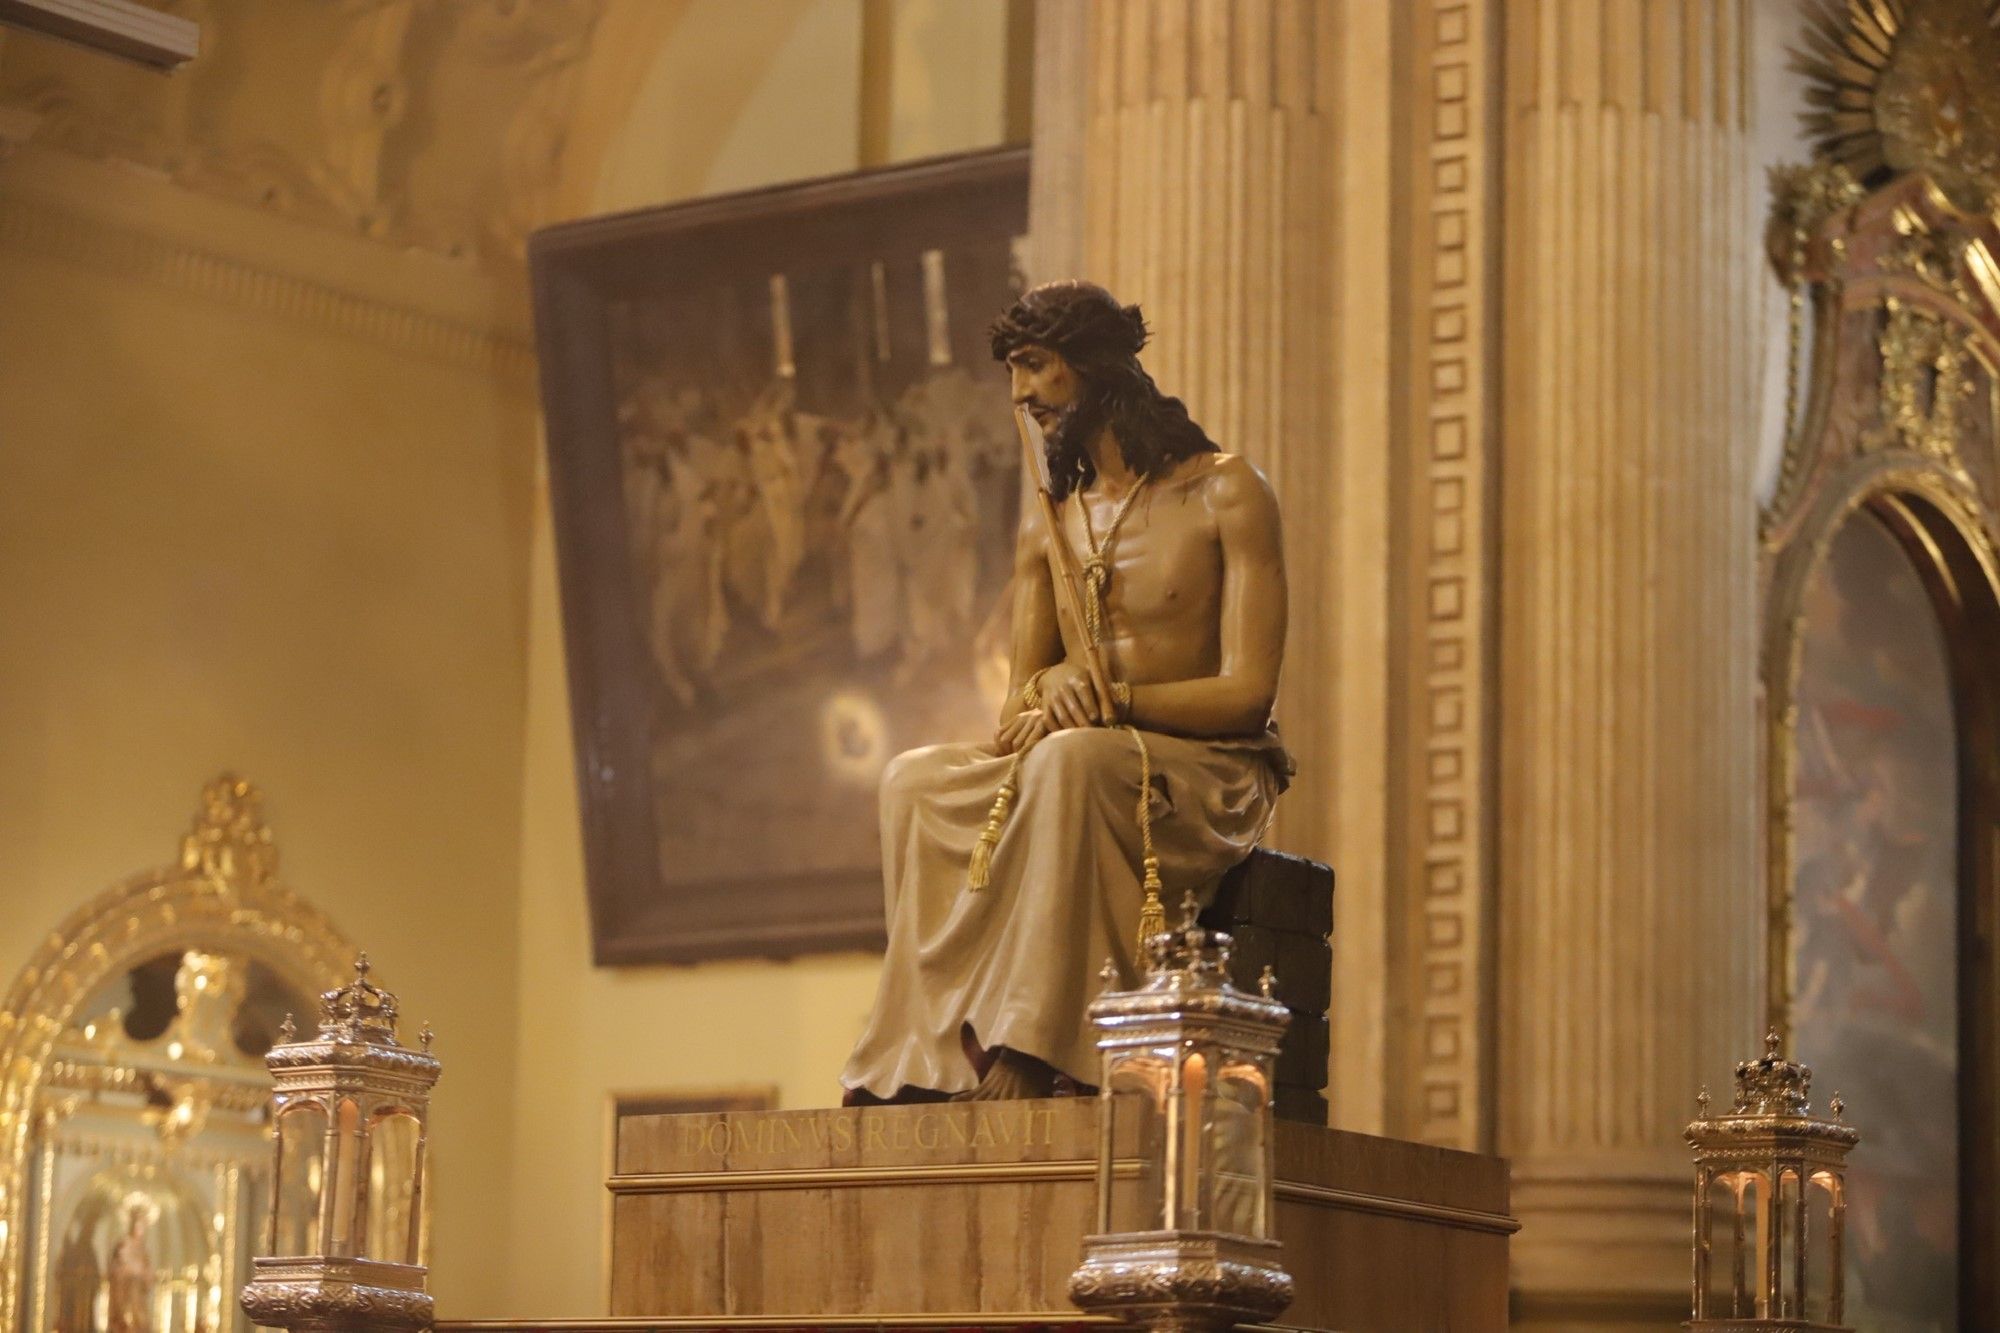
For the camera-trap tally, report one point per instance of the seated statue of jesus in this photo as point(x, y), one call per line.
point(1013, 869)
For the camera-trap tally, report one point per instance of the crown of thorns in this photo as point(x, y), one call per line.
point(1075, 318)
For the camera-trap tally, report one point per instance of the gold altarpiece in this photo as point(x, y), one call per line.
point(134, 1138)
point(1891, 245)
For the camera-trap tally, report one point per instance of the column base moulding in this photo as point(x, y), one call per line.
point(1579, 1235)
point(974, 1215)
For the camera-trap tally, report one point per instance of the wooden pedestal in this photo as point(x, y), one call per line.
point(959, 1214)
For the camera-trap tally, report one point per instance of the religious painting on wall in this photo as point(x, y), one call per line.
point(1875, 943)
point(785, 483)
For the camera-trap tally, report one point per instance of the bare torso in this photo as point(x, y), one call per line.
point(1163, 600)
point(1194, 608)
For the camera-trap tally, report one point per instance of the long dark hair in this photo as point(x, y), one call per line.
point(1100, 340)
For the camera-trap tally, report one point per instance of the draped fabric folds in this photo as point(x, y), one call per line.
point(1018, 960)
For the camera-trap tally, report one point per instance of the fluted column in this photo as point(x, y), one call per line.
point(1057, 185)
point(1185, 159)
point(1206, 199)
point(1206, 123)
point(1627, 728)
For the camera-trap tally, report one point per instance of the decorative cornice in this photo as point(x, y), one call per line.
point(127, 252)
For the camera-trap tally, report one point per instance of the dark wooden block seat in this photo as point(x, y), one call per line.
point(1279, 908)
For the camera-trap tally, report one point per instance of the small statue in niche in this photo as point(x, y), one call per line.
point(132, 1279)
point(1148, 630)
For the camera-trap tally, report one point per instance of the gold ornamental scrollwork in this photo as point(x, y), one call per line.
point(1926, 383)
point(229, 843)
point(221, 894)
point(1804, 197)
point(1923, 275)
point(1804, 200)
point(1937, 259)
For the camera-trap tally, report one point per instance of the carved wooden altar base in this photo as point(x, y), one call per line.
point(958, 1215)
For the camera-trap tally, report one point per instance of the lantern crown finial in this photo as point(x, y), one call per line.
point(1771, 1084)
point(1192, 950)
point(359, 1011)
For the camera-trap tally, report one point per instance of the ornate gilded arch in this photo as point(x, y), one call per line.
point(1900, 417)
point(1890, 244)
point(222, 895)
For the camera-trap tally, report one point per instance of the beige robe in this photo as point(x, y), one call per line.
point(1018, 960)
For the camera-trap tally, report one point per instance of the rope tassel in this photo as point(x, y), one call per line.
point(1152, 913)
point(980, 872)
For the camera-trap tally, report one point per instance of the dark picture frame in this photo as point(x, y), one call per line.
point(733, 391)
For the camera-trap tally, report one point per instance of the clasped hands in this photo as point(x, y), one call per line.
point(1066, 695)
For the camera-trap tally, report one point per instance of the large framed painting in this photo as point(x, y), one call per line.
point(785, 483)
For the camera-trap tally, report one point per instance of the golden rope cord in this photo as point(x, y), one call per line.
point(1097, 569)
point(1096, 575)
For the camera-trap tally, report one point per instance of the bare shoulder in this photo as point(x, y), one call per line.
point(1232, 486)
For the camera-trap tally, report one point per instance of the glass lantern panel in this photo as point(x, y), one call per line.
point(1793, 1237)
point(1734, 1228)
point(301, 1173)
point(1822, 1195)
point(391, 1233)
point(1190, 1119)
point(1138, 1083)
point(348, 1183)
point(1238, 1150)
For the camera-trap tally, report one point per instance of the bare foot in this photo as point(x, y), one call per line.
point(1010, 1077)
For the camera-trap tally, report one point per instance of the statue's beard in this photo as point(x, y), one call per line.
point(1069, 460)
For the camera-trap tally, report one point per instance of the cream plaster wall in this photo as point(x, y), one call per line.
point(246, 525)
point(785, 105)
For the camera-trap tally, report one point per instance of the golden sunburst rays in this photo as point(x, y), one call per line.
point(1902, 85)
point(1847, 46)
